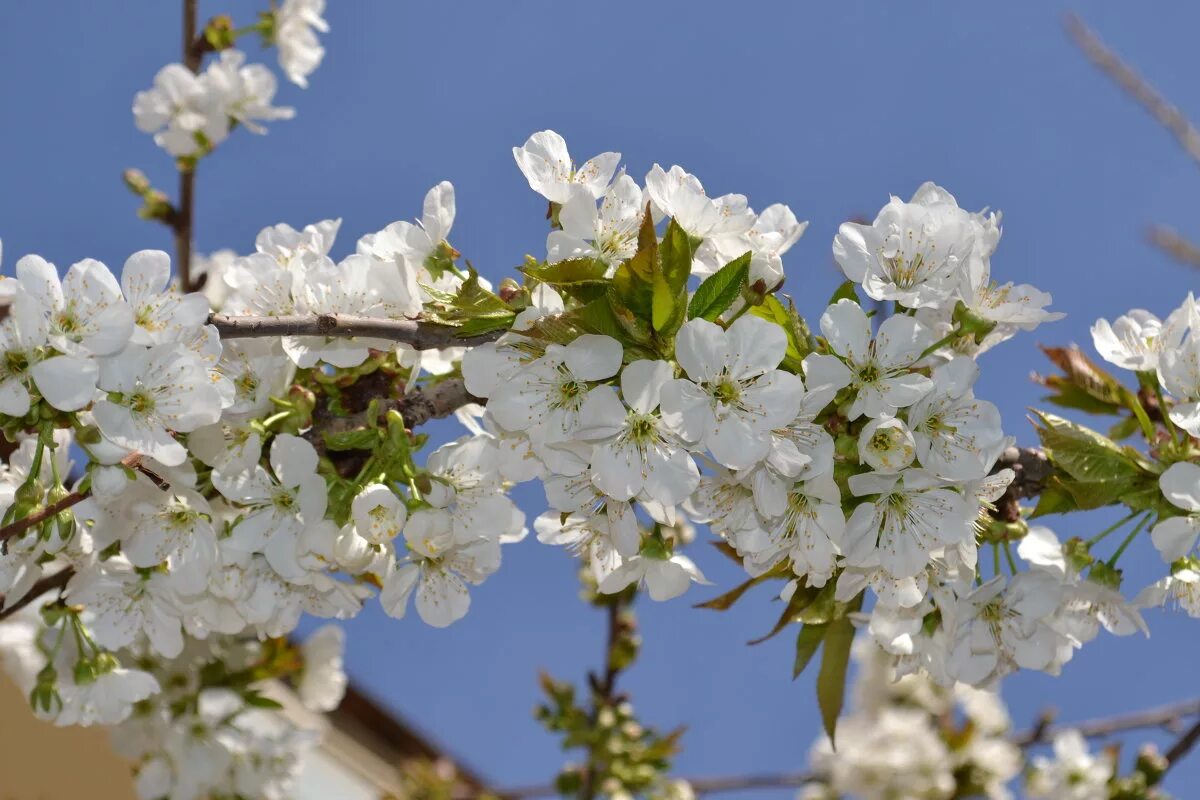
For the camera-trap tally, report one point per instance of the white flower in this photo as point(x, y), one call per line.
point(879, 369)
point(999, 626)
point(160, 313)
point(466, 483)
point(300, 52)
point(409, 248)
point(809, 532)
point(242, 93)
point(735, 396)
point(1182, 587)
point(257, 370)
point(322, 683)
point(1179, 373)
point(957, 436)
point(913, 253)
point(107, 700)
point(19, 353)
point(173, 526)
point(227, 447)
point(910, 516)
point(614, 519)
point(283, 242)
point(886, 445)
point(634, 449)
point(278, 507)
point(548, 167)
point(83, 316)
point(1135, 341)
point(1073, 773)
point(608, 234)
point(175, 110)
point(678, 194)
point(378, 514)
point(545, 396)
point(212, 269)
point(152, 392)
point(664, 577)
point(123, 604)
point(1175, 537)
point(439, 570)
point(323, 287)
point(587, 536)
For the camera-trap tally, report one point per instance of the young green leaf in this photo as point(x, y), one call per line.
point(807, 642)
point(831, 679)
point(847, 291)
point(718, 291)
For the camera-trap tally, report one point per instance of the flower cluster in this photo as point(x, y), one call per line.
point(912, 738)
point(191, 112)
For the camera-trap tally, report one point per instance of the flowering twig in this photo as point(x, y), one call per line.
point(17, 527)
point(417, 407)
point(1135, 86)
point(47, 584)
point(421, 335)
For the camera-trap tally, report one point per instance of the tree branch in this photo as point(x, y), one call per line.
point(45, 585)
point(421, 335)
point(1174, 245)
point(19, 526)
point(181, 222)
point(1135, 86)
point(1159, 717)
point(1183, 745)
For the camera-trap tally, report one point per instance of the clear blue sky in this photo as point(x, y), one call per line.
point(828, 107)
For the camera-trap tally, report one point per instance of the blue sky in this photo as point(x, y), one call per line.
point(828, 107)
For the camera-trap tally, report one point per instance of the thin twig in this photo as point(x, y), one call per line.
point(1174, 245)
point(1095, 728)
point(1106, 726)
point(421, 335)
point(1135, 86)
point(17, 527)
point(44, 586)
point(1183, 745)
point(181, 224)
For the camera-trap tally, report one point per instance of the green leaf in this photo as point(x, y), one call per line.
point(1083, 453)
point(799, 337)
point(724, 601)
point(1054, 499)
point(801, 598)
point(1085, 375)
point(256, 700)
point(360, 439)
point(807, 642)
point(717, 292)
point(597, 317)
point(835, 659)
point(822, 608)
point(847, 291)
point(473, 298)
point(476, 326)
point(669, 303)
point(566, 273)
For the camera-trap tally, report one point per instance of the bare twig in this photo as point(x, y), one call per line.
point(1135, 86)
point(1183, 745)
point(1106, 726)
point(421, 335)
point(44, 586)
point(181, 223)
point(1174, 245)
point(417, 407)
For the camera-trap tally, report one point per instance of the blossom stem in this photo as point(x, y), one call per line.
point(1112, 562)
point(1162, 412)
point(1119, 523)
point(940, 343)
point(1012, 564)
